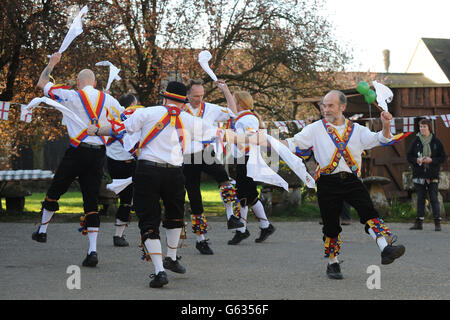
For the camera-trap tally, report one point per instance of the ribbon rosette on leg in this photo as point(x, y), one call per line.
point(332, 246)
point(199, 225)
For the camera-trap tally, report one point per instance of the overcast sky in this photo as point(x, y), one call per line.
point(369, 27)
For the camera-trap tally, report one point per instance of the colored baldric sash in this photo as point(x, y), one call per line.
point(231, 124)
point(341, 151)
point(92, 114)
point(122, 116)
point(55, 87)
point(173, 117)
point(200, 112)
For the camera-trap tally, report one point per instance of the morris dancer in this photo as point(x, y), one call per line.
point(121, 165)
point(163, 130)
point(338, 144)
point(85, 157)
point(195, 163)
point(248, 122)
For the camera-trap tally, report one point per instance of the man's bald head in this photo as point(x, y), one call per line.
point(86, 78)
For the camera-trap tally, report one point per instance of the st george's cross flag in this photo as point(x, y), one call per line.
point(4, 110)
point(25, 113)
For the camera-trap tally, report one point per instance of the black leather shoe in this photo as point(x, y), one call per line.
point(91, 260)
point(239, 236)
point(173, 266)
point(159, 280)
point(334, 271)
point(390, 253)
point(203, 247)
point(120, 241)
point(265, 233)
point(39, 237)
point(234, 223)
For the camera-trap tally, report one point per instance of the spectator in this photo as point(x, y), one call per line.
point(426, 154)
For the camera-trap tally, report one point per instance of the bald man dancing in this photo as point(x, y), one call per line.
point(85, 157)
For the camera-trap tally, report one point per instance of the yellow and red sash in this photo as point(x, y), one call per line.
point(93, 115)
point(54, 87)
point(341, 150)
point(243, 114)
point(173, 117)
point(117, 122)
point(231, 124)
point(200, 112)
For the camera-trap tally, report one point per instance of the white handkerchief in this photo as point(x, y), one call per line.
point(117, 185)
point(75, 30)
point(113, 72)
point(295, 163)
point(258, 170)
point(384, 94)
point(203, 59)
point(65, 111)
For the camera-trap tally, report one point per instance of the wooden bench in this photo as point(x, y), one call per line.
point(12, 190)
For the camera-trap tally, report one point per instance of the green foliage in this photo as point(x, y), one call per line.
point(401, 211)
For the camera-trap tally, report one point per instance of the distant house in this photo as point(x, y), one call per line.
point(432, 58)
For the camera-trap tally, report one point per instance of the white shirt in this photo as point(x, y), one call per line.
point(165, 147)
point(316, 136)
point(212, 114)
point(70, 99)
point(115, 150)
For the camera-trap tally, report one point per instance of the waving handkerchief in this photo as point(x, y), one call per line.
point(65, 111)
point(384, 94)
point(258, 170)
point(113, 72)
point(117, 185)
point(74, 31)
point(295, 163)
point(203, 59)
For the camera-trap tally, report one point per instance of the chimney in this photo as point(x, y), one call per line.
point(386, 58)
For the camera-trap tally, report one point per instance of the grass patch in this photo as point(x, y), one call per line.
point(72, 203)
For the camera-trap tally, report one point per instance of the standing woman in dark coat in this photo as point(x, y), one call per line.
point(426, 154)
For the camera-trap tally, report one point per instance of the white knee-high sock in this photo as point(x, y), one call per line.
point(153, 247)
point(333, 260)
point(260, 213)
point(173, 236)
point(381, 241)
point(46, 216)
point(228, 209)
point(244, 211)
point(120, 227)
point(200, 237)
point(92, 235)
